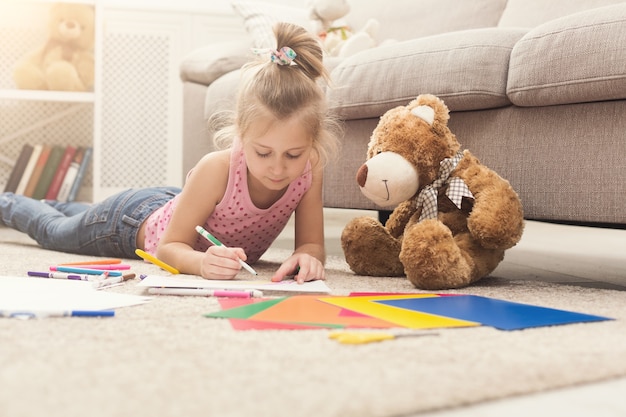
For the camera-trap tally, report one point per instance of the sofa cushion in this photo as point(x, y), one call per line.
point(205, 65)
point(577, 58)
point(259, 18)
point(409, 19)
point(531, 13)
point(467, 69)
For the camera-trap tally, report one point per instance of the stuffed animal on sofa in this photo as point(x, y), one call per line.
point(337, 37)
point(65, 62)
point(453, 218)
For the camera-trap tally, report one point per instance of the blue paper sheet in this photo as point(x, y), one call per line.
point(503, 315)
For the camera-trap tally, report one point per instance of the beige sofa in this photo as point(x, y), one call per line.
point(536, 89)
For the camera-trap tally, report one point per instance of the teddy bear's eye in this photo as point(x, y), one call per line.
point(379, 151)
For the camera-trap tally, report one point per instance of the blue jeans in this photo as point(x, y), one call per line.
point(108, 228)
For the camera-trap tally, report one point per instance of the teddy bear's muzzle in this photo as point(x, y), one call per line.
point(69, 29)
point(387, 179)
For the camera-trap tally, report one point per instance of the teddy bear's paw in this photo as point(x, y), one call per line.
point(29, 77)
point(369, 248)
point(62, 76)
point(85, 70)
point(432, 259)
point(497, 220)
point(496, 239)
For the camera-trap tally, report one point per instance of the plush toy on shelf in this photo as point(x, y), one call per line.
point(66, 61)
point(453, 217)
point(337, 37)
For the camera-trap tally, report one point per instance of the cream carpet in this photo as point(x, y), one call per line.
point(164, 358)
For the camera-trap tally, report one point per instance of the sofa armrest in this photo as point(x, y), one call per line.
point(205, 65)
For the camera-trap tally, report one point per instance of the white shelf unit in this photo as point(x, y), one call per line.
point(51, 117)
point(134, 116)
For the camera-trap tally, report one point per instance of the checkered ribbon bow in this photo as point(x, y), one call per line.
point(457, 189)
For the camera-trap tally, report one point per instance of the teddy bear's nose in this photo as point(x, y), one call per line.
point(361, 175)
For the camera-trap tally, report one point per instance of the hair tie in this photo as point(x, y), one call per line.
point(282, 56)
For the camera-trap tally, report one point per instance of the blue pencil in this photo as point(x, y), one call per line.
point(62, 268)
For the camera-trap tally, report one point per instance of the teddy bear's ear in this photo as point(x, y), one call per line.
point(426, 113)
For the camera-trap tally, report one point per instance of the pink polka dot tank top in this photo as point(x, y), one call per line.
point(236, 221)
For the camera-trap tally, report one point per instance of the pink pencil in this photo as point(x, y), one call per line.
point(95, 262)
point(100, 267)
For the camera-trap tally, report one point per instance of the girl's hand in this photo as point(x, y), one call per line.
point(219, 262)
point(304, 266)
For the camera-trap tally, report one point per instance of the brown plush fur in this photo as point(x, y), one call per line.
point(461, 245)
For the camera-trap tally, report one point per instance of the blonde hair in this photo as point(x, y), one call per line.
point(268, 89)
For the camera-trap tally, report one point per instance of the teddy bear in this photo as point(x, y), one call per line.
point(66, 61)
point(337, 37)
point(453, 217)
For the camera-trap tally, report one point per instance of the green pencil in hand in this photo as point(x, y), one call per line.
point(208, 236)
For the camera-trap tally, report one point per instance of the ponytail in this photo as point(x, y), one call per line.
point(286, 84)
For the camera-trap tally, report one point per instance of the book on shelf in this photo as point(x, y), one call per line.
point(59, 175)
point(70, 175)
point(18, 169)
point(80, 175)
point(53, 172)
point(30, 167)
point(48, 172)
point(36, 174)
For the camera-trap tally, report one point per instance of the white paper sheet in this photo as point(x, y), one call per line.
point(36, 294)
point(317, 286)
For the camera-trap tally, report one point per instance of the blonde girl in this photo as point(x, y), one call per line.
point(244, 195)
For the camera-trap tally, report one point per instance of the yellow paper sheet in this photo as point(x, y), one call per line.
point(399, 316)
